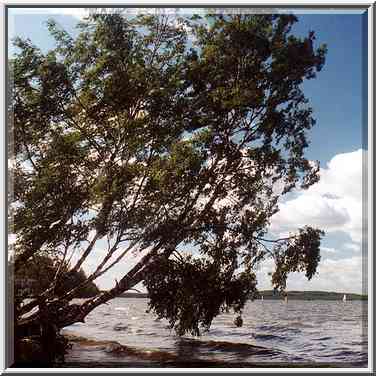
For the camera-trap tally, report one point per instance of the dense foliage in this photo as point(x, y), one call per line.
point(164, 136)
point(41, 270)
point(190, 294)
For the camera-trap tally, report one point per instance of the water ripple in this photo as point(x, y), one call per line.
point(304, 332)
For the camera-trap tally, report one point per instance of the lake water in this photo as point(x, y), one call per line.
point(297, 332)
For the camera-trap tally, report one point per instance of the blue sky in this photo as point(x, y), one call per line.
point(337, 96)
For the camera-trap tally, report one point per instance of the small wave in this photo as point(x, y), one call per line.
point(272, 328)
point(346, 353)
point(269, 337)
point(120, 327)
point(298, 324)
point(358, 343)
point(142, 333)
point(219, 332)
point(278, 329)
point(291, 330)
point(313, 335)
point(345, 356)
point(121, 309)
point(225, 346)
point(266, 327)
point(337, 349)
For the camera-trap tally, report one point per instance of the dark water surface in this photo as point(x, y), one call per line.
point(298, 332)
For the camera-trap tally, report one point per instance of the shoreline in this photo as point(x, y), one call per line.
point(293, 295)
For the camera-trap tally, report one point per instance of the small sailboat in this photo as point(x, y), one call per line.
point(262, 297)
point(344, 298)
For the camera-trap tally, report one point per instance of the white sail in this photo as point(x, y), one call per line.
point(344, 298)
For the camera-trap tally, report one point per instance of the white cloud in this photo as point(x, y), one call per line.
point(78, 13)
point(354, 247)
point(333, 204)
point(329, 250)
point(345, 275)
point(310, 209)
point(343, 176)
point(82, 12)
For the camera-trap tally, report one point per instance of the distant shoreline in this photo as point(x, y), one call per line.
point(292, 295)
point(311, 295)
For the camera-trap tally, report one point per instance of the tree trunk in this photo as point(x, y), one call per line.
point(46, 323)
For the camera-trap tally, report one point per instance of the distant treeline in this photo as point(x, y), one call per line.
point(134, 295)
point(292, 295)
point(309, 295)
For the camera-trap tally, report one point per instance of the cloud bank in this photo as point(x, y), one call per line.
point(337, 205)
point(334, 204)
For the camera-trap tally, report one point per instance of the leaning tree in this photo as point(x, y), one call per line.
point(171, 137)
